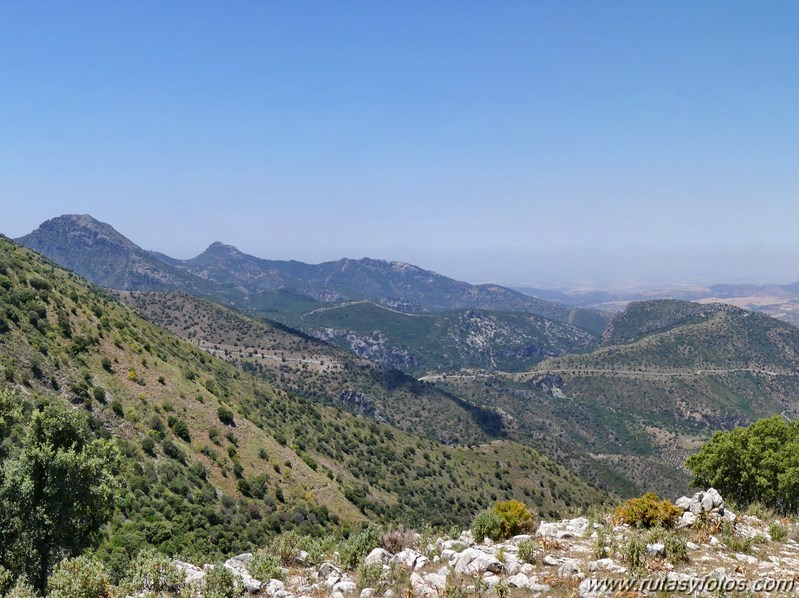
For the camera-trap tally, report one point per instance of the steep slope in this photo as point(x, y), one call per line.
point(216, 460)
point(445, 341)
point(305, 366)
point(670, 374)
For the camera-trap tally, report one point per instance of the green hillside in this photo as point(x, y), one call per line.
point(670, 374)
point(308, 367)
point(449, 341)
point(217, 460)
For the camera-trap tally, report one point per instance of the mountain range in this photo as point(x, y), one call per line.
point(216, 460)
point(99, 253)
point(619, 400)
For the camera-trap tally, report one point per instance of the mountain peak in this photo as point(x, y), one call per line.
point(219, 249)
point(77, 227)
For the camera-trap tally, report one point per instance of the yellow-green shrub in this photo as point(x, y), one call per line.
point(514, 517)
point(648, 511)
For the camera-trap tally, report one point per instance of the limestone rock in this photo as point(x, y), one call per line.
point(379, 556)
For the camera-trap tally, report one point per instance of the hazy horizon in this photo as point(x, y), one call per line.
point(519, 143)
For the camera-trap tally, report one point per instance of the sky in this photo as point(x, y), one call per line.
point(527, 143)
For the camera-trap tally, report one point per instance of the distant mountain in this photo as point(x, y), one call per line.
point(780, 301)
point(99, 253)
point(446, 341)
point(668, 374)
point(298, 294)
point(396, 284)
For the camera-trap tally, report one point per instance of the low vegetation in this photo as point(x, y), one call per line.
point(648, 511)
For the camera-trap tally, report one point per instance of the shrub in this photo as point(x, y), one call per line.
point(181, 430)
point(487, 524)
point(99, 394)
point(527, 551)
point(370, 576)
point(152, 572)
point(514, 517)
point(396, 540)
point(676, 548)
point(648, 511)
point(357, 547)
point(286, 547)
point(777, 532)
point(117, 408)
point(733, 541)
point(226, 416)
point(80, 577)
point(22, 589)
point(220, 583)
point(265, 566)
point(634, 551)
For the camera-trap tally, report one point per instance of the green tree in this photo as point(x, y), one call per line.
point(759, 463)
point(57, 494)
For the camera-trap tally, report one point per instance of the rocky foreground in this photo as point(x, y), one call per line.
point(711, 552)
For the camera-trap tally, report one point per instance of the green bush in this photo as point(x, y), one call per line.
point(287, 547)
point(777, 532)
point(152, 572)
point(370, 576)
point(357, 547)
point(81, 577)
point(221, 583)
point(226, 416)
point(648, 511)
point(487, 524)
point(22, 589)
point(759, 463)
point(676, 548)
point(514, 517)
point(527, 551)
point(265, 566)
point(634, 552)
point(180, 429)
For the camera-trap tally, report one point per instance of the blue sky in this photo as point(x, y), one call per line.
point(516, 142)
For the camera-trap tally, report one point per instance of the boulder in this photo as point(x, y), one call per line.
point(406, 558)
point(521, 538)
point(347, 588)
point(590, 588)
point(273, 586)
point(657, 549)
point(238, 566)
point(436, 580)
point(328, 569)
point(570, 570)
point(687, 519)
point(473, 561)
point(379, 556)
point(683, 502)
point(192, 574)
point(567, 528)
point(520, 580)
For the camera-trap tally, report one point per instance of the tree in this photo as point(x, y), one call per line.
point(57, 494)
point(759, 463)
